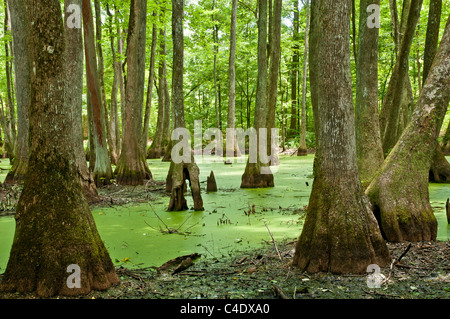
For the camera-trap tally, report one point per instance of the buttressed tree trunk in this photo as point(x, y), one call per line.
point(180, 171)
point(22, 76)
point(340, 234)
point(55, 230)
point(257, 174)
point(132, 168)
point(399, 191)
point(369, 149)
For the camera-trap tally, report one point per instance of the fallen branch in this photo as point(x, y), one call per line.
point(273, 240)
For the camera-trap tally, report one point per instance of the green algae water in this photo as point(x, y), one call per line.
point(136, 234)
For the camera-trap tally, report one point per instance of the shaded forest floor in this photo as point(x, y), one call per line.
point(422, 273)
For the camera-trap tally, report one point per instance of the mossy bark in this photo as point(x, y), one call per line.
point(54, 226)
point(399, 191)
point(340, 233)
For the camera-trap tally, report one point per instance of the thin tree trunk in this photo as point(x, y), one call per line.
point(394, 101)
point(151, 76)
point(132, 168)
point(369, 149)
point(302, 149)
point(22, 79)
point(257, 175)
point(294, 71)
point(102, 171)
point(180, 171)
point(156, 150)
point(54, 226)
point(274, 70)
point(74, 100)
point(231, 118)
point(340, 233)
point(399, 191)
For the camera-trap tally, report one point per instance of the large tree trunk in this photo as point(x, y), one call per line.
point(302, 149)
point(74, 100)
point(340, 234)
point(399, 191)
point(397, 100)
point(132, 168)
point(22, 79)
point(369, 149)
point(257, 174)
point(180, 171)
point(102, 171)
point(54, 226)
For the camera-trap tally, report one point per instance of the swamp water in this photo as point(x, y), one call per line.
point(136, 234)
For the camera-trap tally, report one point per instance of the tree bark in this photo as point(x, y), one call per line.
point(399, 191)
point(340, 233)
point(102, 171)
point(54, 226)
point(369, 149)
point(132, 168)
point(181, 171)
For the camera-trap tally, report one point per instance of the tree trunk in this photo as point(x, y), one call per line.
point(181, 171)
point(440, 167)
point(397, 92)
point(22, 79)
point(156, 149)
point(256, 174)
point(132, 168)
point(294, 71)
point(54, 226)
point(114, 143)
point(231, 118)
point(399, 191)
point(340, 233)
point(102, 171)
point(274, 69)
point(74, 101)
point(151, 76)
point(369, 149)
point(302, 149)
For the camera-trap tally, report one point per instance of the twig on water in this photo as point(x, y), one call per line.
point(273, 240)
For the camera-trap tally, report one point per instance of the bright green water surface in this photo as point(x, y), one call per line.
point(132, 232)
